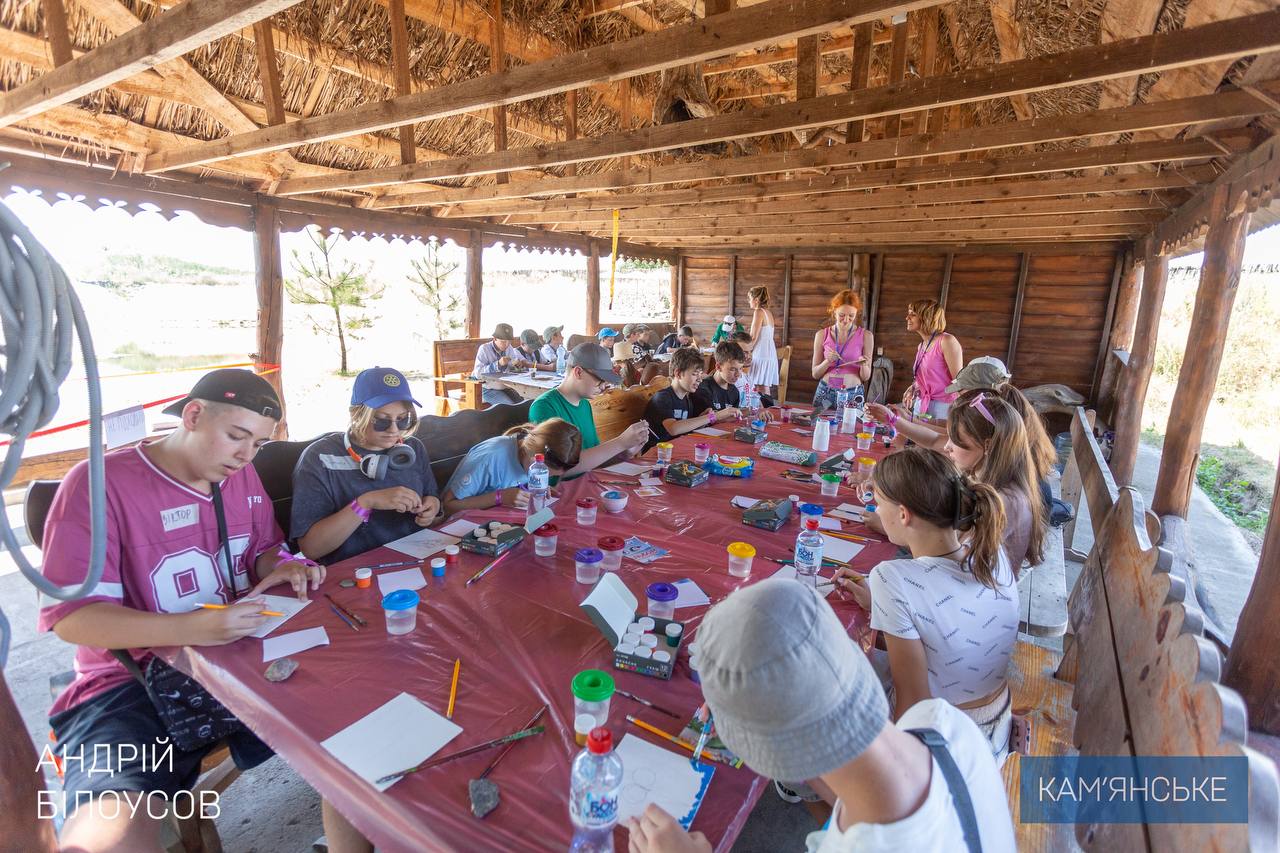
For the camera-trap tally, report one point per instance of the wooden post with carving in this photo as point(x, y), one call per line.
point(269, 277)
point(1131, 393)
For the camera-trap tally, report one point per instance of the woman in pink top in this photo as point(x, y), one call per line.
point(938, 360)
point(841, 351)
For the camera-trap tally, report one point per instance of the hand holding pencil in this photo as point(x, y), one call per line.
point(219, 624)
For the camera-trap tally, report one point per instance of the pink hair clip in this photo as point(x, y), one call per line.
point(977, 403)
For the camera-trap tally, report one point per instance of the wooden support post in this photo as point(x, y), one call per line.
point(1131, 390)
point(1023, 266)
point(848, 279)
point(733, 283)
point(716, 7)
point(269, 71)
point(55, 28)
point(675, 293)
point(270, 285)
point(897, 70)
point(400, 65)
point(1121, 337)
point(946, 279)
point(786, 301)
point(497, 64)
point(679, 273)
point(877, 270)
point(1104, 345)
point(808, 61)
point(860, 76)
point(1253, 667)
point(624, 162)
point(593, 289)
point(1206, 338)
point(475, 282)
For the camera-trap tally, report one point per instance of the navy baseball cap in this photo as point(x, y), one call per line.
point(378, 386)
point(235, 386)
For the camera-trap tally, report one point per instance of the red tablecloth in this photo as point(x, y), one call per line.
point(521, 637)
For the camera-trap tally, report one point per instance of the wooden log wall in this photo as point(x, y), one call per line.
point(1056, 336)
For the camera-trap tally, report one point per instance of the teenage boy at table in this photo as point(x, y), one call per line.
point(553, 351)
point(588, 373)
point(164, 557)
point(719, 391)
point(677, 410)
point(498, 356)
point(634, 352)
point(676, 340)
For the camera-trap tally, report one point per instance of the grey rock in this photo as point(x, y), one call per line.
point(281, 669)
point(484, 796)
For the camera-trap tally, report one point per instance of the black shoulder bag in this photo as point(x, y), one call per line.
point(955, 781)
point(190, 714)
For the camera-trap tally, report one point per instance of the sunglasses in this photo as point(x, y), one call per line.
point(382, 423)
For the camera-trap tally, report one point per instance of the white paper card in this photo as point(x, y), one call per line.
point(691, 595)
point(825, 585)
point(399, 735)
point(651, 481)
point(286, 604)
point(711, 431)
point(538, 519)
point(125, 426)
point(293, 642)
point(613, 603)
point(839, 549)
point(825, 523)
point(403, 579)
point(653, 774)
point(629, 469)
point(849, 512)
point(423, 543)
point(458, 528)
point(744, 502)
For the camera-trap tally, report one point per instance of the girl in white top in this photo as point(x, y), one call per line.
point(949, 614)
point(764, 353)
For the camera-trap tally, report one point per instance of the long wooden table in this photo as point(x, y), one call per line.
point(521, 636)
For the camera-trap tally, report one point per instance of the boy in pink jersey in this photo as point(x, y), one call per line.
point(163, 559)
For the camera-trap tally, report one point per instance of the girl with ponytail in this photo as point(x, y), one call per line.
point(493, 470)
point(949, 614)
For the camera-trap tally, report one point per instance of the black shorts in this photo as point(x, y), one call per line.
point(125, 717)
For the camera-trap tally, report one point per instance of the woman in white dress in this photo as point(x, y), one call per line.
point(763, 374)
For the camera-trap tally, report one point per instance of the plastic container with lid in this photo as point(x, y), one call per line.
point(582, 726)
point(592, 692)
point(401, 609)
point(646, 623)
point(545, 539)
point(364, 578)
point(642, 652)
point(662, 601)
point(611, 547)
point(673, 632)
point(649, 641)
point(661, 656)
point(866, 465)
point(701, 451)
point(830, 485)
point(586, 562)
point(665, 450)
point(587, 510)
point(864, 441)
point(740, 556)
point(437, 567)
point(451, 557)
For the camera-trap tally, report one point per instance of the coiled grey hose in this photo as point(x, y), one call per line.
point(38, 314)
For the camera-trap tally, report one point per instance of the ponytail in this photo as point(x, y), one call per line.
point(559, 441)
point(982, 515)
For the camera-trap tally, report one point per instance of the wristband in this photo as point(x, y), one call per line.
point(711, 416)
point(287, 557)
point(497, 498)
point(362, 513)
point(893, 417)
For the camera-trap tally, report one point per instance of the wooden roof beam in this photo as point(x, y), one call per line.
point(1131, 221)
point(1123, 19)
point(1009, 39)
point(780, 55)
point(671, 47)
point(909, 236)
point(55, 26)
point(167, 36)
point(1237, 37)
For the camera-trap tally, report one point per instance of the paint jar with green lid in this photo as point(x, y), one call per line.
point(592, 692)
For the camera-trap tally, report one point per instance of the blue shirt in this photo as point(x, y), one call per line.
point(326, 479)
point(490, 465)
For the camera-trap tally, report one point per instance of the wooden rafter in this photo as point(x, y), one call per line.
point(167, 36)
point(1009, 38)
point(897, 70)
point(497, 64)
point(404, 77)
point(859, 76)
point(55, 29)
point(1123, 19)
point(269, 73)
point(781, 55)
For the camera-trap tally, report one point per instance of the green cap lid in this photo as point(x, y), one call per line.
point(831, 478)
point(593, 685)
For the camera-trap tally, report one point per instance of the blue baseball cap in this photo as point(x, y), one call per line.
point(606, 333)
point(378, 386)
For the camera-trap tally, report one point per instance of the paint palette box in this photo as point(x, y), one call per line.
point(612, 607)
point(494, 541)
point(768, 514)
point(685, 473)
point(837, 464)
point(749, 435)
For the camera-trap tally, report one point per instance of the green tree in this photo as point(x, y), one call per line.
point(435, 286)
point(325, 280)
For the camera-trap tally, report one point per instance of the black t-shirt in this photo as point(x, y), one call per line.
point(669, 343)
point(712, 396)
point(667, 404)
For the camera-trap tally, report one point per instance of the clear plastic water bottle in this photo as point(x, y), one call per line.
point(809, 546)
point(560, 360)
point(595, 781)
point(539, 484)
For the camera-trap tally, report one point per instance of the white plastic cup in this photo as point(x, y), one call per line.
point(401, 609)
point(830, 485)
point(821, 435)
point(864, 441)
point(545, 539)
point(701, 451)
point(586, 564)
point(587, 509)
point(741, 555)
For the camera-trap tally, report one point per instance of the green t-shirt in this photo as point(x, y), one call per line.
point(552, 404)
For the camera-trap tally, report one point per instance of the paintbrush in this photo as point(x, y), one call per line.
point(392, 565)
point(354, 617)
point(646, 703)
point(678, 742)
point(471, 750)
point(486, 569)
point(341, 616)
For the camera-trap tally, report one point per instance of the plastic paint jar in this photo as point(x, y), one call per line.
point(437, 567)
point(830, 485)
point(701, 451)
point(545, 539)
point(364, 578)
point(582, 726)
point(451, 557)
point(649, 641)
point(644, 652)
point(646, 624)
point(786, 415)
point(592, 691)
point(665, 451)
point(662, 601)
point(864, 441)
point(866, 465)
point(587, 511)
point(586, 563)
point(401, 609)
point(661, 657)
point(740, 556)
point(673, 632)
point(611, 547)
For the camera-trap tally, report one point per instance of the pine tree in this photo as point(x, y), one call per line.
point(433, 285)
point(325, 280)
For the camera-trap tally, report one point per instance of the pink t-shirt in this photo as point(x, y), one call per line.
point(162, 551)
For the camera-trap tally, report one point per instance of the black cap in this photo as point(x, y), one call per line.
point(242, 388)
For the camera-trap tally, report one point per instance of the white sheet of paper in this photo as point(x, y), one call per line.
point(654, 774)
point(849, 512)
point(538, 519)
point(825, 523)
point(125, 426)
point(423, 543)
point(840, 549)
point(825, 585)
point(286, 604)
point(711, 431)
point(402, 733)
point(691, 595)
point(293, 642)
point(459, 528)
point(403, 579)
point(651, 481)
point(744, 502)
point(629, 469)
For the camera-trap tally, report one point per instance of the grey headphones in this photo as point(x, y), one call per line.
point(375, 465)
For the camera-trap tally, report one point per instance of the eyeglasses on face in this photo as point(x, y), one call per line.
point(382, 423)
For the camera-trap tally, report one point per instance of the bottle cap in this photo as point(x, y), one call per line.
point(600, 741)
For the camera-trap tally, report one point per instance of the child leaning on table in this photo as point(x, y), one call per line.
point(494, 470)
point(164, 557)
point(678, 410)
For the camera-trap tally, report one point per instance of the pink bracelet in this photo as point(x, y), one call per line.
point(497, 498)
point(893, 417)
point(361, 512)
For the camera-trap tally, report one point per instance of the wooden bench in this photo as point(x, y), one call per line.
point(618, 409)
point(456, 357)
point(1141, 677)
point(448, 439)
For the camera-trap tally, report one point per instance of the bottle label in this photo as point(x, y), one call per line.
point(807, 558)
point(594, 809)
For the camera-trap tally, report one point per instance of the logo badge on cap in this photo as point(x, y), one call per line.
point(391, 380)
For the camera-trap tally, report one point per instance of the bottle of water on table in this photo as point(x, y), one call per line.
point(539, 484)
point(595, 781)
point(809, 546)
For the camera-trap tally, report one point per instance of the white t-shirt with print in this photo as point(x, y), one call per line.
point(935, 826)
point(968, 629)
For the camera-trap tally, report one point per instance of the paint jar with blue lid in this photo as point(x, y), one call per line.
point(587, 564)
point(401, 610)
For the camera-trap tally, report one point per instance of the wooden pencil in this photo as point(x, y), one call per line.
point(453, 689)
point(660, 733)
point(225, 606)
